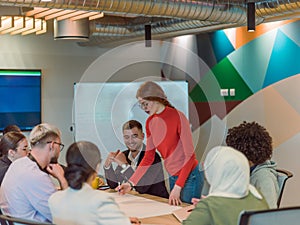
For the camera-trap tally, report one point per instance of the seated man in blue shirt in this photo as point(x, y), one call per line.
point(128, 160)
point(27, 185)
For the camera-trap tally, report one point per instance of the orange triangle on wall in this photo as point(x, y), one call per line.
point(243, 36)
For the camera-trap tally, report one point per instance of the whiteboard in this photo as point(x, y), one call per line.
point(101, 109)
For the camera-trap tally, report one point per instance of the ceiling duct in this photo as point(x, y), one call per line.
point(224, 11)
point(68, 29)
point(12, 11)
point(124, 20)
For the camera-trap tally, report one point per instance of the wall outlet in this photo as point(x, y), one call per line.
point(232, 91)
point(224, 92)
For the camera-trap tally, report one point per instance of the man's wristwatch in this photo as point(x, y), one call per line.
point(131, 186)
point(124, 166)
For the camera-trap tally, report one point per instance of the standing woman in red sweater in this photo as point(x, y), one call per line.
point(168, 131)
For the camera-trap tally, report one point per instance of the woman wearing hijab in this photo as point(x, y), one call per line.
point(227, 172)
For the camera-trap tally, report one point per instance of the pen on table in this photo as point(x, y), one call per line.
point(119, 186)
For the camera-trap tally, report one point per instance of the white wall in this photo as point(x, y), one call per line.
point(62, 63)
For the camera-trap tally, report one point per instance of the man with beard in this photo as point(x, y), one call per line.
point(127, 161)
point(27, 184)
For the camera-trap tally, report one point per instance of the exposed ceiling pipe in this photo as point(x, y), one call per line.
point(265, 11)
point(277, 8)
point(111, 41)
point(188, 16)
point(168, 18)
point(186, 9)
point(159, 30)
point(158, 27)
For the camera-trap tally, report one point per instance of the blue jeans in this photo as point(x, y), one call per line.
point(193, 185)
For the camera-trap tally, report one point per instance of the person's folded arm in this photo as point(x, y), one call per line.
point(111, 177)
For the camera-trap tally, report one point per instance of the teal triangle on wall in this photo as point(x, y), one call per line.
point(292, 31)
point(222, 46)
point(284, 60)
point(251, 60)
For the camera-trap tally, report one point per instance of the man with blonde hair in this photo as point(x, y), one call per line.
point(27, 185)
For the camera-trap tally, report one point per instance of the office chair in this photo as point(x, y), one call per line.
point(8, 220)
point(283, 176)
point(280, 216)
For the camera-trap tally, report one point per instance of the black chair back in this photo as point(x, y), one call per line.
point(283, 176)
point(280, 216)
point(8, 220)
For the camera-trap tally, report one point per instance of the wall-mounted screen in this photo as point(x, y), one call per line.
point(20, 104)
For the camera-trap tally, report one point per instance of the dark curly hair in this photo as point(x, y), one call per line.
point(251, 139)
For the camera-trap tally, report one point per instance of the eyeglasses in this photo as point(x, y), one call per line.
point(26, 148)
point(61, 146)
point(143, 105)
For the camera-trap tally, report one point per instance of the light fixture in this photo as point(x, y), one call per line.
point(22, 25)
point(148, 35)
point(251, 16)
point(62, 14)
point(68, 29)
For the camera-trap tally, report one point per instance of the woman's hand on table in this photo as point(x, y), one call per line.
point(174, 198)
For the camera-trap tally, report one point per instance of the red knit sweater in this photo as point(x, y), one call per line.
point(169, 132)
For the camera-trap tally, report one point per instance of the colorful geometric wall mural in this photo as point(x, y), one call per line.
point(247, 65)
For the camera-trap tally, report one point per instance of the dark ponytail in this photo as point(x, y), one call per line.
point(82, 160)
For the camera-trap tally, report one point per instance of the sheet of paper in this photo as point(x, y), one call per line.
point(141, 207)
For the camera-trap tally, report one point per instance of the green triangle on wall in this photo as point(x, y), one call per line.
point(221, 76)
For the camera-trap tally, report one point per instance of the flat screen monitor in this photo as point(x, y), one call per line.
point(20, 104)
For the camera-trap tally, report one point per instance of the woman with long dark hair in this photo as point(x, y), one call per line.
point(13, 145)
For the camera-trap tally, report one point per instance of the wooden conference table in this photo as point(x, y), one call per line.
point(168, 219)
